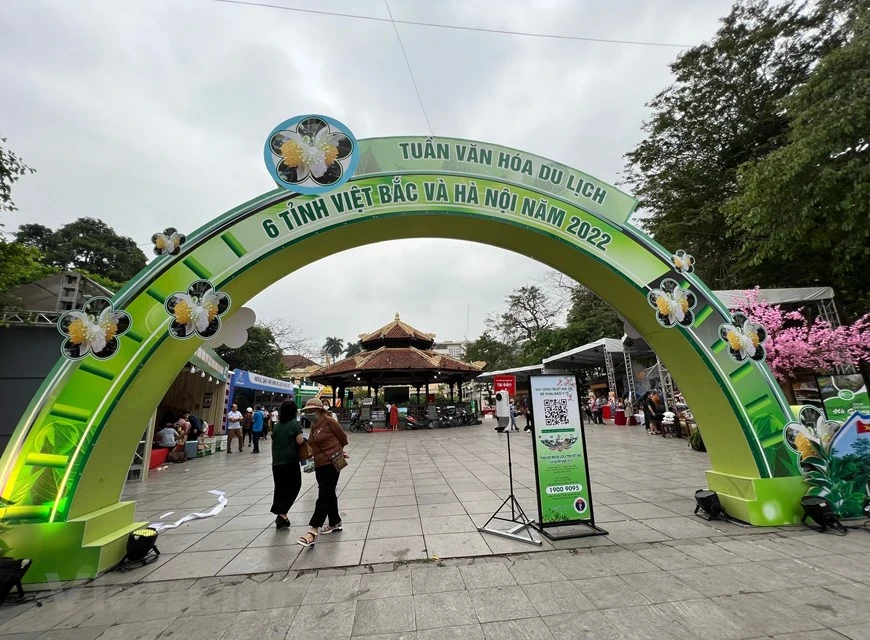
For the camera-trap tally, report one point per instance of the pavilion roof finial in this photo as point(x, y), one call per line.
point(397, 316)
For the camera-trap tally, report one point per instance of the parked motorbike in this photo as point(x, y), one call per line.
point(448, 419)
point(419, 423)
point(467, 419)
point(357, 424)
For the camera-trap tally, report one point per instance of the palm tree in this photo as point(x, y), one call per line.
point(333, 347)
point(353, 348)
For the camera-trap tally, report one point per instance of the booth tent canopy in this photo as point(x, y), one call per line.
point(735, 298)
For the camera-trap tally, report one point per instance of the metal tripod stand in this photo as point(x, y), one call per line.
point(518, 518)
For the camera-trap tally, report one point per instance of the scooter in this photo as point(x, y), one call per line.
point(357, 424)
point(449, 420)
point(419, 423)
point(467, 419)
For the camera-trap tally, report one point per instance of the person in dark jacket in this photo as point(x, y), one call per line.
point(197, 426)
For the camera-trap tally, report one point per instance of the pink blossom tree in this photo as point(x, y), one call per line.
point(795, 343)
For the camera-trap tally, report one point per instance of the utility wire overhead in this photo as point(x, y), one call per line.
point(410, 70)
point(436, 25)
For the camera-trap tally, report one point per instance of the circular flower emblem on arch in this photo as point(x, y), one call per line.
point(168, 242)
point(311, 154)
point(683, 262)
point(745, 338)
point(811, 433)
point(673, 304)
point(95, 329)
point(198, 311)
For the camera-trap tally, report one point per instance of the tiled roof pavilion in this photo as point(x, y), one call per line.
point(397, 354)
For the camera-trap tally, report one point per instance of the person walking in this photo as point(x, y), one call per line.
point(286, 438)
point(234, 428)
point(655, 418)
point(644, 405)
point(530, 419)
point(596, 411)
point(327, 441)
point(394, 417)
point(513, 410)
point(247, 422)
point(273, 420)
point(257, 421)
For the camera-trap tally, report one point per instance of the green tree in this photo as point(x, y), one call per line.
point(19, 264)
point(811, 197)
point(89, 245)
point(260, 354)
point(529, 310)
point(592, 318)
point(11, 169)
point(496, 354)
point(353, 348)
point(723, 110)
point(589, 319)
point(549, 342)
point(35, 235)
point(333, 347)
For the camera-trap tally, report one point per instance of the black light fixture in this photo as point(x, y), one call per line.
point(819, 510)
point(140, 544)
point(12, 570)
point(707, 502)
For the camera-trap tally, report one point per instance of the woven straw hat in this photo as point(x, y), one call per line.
point(312, 405)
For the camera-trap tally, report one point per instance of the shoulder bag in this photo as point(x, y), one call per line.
point(337, 459)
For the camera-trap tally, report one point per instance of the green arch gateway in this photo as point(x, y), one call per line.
point(63, 471)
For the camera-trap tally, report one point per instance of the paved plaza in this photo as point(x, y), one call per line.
point(410, 564)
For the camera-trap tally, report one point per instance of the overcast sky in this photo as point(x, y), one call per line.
point(150, 113)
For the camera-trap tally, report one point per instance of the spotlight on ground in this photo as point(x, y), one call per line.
point(709, 506)
point(819, 511)
point(140, 544)
point(12, 571)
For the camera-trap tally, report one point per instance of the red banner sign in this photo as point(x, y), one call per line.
point(505, 383)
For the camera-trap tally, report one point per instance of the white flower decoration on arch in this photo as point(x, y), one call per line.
point(673, 304)
point(197, 312)
point(744, 338)
point(683, 262)
point(168, 242)
point(311, 150)
point(96, 329)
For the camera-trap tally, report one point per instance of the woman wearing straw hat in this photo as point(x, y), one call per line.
point(327, 441)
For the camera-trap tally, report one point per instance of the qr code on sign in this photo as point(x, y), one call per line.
point(555, 412)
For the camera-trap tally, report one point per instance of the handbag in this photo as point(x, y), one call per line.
point(303, 451)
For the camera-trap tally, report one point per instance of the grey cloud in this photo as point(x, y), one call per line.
point(145, 114)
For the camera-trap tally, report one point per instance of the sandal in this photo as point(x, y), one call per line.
point(331, 528)
point(308, 540)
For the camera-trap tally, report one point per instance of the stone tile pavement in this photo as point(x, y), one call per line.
point(411, 566)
